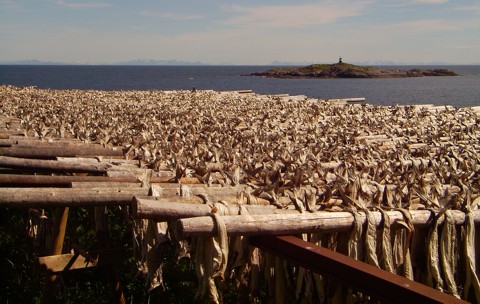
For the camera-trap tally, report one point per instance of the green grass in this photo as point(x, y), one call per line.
point(318, 68)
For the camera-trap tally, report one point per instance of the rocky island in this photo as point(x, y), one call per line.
point(345, 70)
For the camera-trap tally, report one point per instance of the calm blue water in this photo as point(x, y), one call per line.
point(460, 91)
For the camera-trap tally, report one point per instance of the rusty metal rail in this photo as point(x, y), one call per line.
point(386, 286)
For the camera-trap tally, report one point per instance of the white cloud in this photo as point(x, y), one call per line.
point(80, 5)
point(293, 16)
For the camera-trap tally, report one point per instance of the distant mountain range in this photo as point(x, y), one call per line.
point(33, 62)
point(174, 62)
point(158, 62)
point(130, 62)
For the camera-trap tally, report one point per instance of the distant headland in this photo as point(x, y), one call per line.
point(346, 70)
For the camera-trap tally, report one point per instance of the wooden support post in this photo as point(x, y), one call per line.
point(382, 284)
point(60, 226)
point(101, 228)
point(59, 230)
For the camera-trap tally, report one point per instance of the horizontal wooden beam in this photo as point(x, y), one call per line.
point(68, 197)
point(11, 133)
point(288, 224)
point(40, 165)
point(161, 209)
point(19, 180)
point(53, 152)
point(385, 286)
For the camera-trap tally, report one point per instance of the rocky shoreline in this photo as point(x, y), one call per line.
point(345, 70)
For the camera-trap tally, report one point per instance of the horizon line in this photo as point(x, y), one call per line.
point(153, 62)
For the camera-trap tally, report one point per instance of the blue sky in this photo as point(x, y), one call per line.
point(241, 32)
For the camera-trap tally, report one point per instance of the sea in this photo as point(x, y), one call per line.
point(458, 91)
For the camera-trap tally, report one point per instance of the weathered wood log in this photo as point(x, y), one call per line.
point(103, 239)
point(29, 165)
point(111, 184)
point(156, 209)
point(136, 170)
point(59, 229)
point(287, 224)
point(7, 142)
point(54, 143)
point(18, 180)
point(53, 152)
point(111, 160)
point(35, 142)
point(18, 137)
point(59, 192)
point(74, 197)
point(7, 134)
point(158, 176)
point(184, 200)
point(113, 166)
point(171, 189)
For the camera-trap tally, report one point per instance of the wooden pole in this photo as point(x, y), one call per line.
point(161, 211)
point(53, 152)
point(53, 143)
point(19, 180)
point(171, 189)
point(174, 199)
point(29, 142)
point(59, 230)
point(288, 224)
point(60, 226)
point(91, 185)
point(6, 142)
point(157, 177)
point(6, 134)
point(102, 232)
point(36, 165)
point(68, 197)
